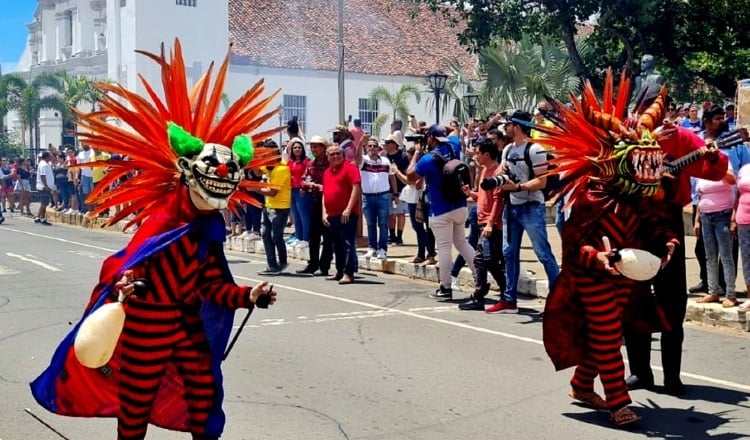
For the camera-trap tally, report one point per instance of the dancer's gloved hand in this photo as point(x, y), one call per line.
point(262, 295)
point(671, 245)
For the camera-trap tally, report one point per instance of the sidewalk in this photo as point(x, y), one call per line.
point(532, 282)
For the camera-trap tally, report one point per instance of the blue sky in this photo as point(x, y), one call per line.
point(14, 15)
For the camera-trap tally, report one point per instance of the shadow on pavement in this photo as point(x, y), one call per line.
point(679, 423)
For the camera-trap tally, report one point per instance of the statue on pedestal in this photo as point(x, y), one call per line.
point(648, 77)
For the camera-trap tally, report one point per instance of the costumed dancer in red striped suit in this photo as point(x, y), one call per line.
point(612, 171)
point(187, 166)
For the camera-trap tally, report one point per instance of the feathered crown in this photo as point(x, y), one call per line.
point(157, 131)
point(585, 133)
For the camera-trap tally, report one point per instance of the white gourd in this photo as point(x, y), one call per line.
point(97, 337)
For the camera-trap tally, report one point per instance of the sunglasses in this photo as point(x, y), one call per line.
point(338, 153)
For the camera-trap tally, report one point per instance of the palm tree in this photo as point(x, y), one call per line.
point(10, 95)
point(78, 89)
point(43, 93)
point(520, 74)
point(396, 100)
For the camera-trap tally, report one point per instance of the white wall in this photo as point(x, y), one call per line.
point(321, 91)
point(203, 31)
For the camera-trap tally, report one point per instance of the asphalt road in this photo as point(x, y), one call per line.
point(372, 360)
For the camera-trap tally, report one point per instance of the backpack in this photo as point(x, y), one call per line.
point(454, 176)
point(553, 181)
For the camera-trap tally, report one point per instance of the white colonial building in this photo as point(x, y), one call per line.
point(292, 44)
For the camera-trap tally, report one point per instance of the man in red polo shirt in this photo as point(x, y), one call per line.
point(341, 210)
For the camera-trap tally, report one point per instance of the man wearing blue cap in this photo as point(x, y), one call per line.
point(447, 218)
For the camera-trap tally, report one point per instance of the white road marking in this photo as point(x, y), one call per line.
point(31, 259)
point(409, 313)
point(8, 271)
point(62, 240)
point(92, 255)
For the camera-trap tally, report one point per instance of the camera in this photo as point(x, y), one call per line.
point(491, 183)
point(418, 137)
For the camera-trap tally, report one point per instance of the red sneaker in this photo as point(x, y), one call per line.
point(502, 307)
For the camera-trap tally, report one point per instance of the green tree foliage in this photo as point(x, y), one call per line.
point(694, 41)
point(397, 101)
point(489, 20)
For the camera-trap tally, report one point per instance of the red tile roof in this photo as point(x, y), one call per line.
point(384, 37)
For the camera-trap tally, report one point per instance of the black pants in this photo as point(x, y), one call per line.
point(700, 255)
point(320, 236)
point(495, 265)
point(670, 286)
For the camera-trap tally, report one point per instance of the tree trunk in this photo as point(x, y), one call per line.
point(575, 57)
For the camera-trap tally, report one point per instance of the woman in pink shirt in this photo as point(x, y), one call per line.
point(742, 219)
point(716, 210)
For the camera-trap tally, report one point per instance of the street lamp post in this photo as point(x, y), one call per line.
point(281, 121)
point(437, 83)
point(471, 103)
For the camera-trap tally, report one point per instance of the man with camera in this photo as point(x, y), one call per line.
point(489, 252)
point(447, 218)
point(525, 210)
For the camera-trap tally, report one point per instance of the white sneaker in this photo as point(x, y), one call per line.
point(371, 253)
point(244, 235)
point(381, 255)
point(302, 244)
point(454, 284)
point(253, 236)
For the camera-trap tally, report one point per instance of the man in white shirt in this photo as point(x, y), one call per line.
point(378, 186)
point(45, 184)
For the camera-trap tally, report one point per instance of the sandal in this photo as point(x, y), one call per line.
point(624, 417)
point(589, 399)
point(744, 307)
point(729, 303)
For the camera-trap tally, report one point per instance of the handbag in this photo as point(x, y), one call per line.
point(423, 208)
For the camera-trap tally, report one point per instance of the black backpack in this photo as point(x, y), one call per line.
point(553, 181)
point(454, 176)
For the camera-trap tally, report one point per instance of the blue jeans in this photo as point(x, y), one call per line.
point(66, 192)
point(560, 215)
point(422, 242)
point(376, 209)
point(344, 237)
point(274, 222)
point(532, 218)
point(473, 240)
point(301, 210)
point(717, 241)
point(743, 235)
point(254, 215)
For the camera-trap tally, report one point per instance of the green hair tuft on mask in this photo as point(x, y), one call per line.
point(243, 148)
point(182, 142)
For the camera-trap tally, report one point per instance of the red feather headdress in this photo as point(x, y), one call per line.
point(150, 169)
point(584, 134)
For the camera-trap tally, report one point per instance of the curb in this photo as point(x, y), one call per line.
point(713, 315)
point(527, 285)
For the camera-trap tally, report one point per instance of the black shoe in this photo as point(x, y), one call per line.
point(636, 383)
point(45, 222)
point(306, 271)
point(37, 220)
point(698, 288)
point(472, 304)
point(2, 219)
point(442, 293)
point(399, 242)
point(674, 387)
point(270, 271)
